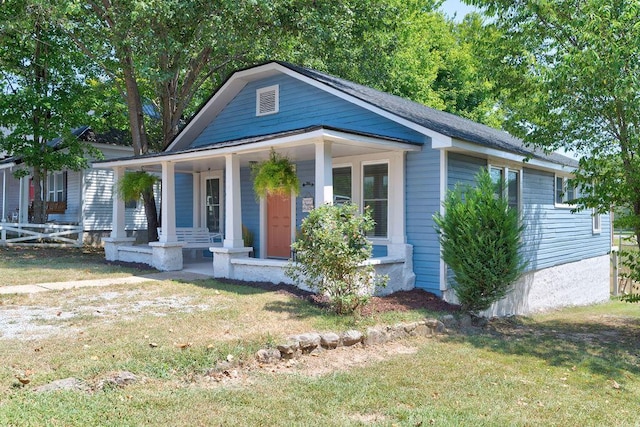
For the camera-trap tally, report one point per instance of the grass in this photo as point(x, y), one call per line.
point(22, 266)
point(579, 366)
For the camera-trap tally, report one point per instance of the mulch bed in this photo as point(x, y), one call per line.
point(398, 301)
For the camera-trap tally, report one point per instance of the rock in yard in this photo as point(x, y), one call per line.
point(72, 384)
point(374, 336)
point(449, 321)
point(351, 337)
point(308, 341)
point(268, 355)
point(288, 349)
point(329, 340)
point(119, 379)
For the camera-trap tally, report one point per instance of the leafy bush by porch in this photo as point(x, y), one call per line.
point(330, 249)
point(481, 241)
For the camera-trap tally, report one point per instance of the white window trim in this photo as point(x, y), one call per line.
point(377, 239)
point(396, 233)
point(565, 178)
point(505, 175)
point(260, 91)
point(596, 222)
point(52, 193)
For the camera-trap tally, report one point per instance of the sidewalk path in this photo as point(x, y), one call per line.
point(43, 287)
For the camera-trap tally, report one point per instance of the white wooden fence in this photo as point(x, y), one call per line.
point(40, 234)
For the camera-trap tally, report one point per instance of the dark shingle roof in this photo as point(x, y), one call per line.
point(445, 123)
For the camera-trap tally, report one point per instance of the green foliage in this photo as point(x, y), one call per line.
point(571, 74)
point(330, 249)
point(630, 259)
point(134, 184)
point(44, 94)
point(481, 241)
point(277, 176)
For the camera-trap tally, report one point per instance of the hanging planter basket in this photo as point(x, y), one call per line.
point(275, 176)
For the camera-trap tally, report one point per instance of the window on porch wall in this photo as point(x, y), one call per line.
point(342, 185)
point(375, 190)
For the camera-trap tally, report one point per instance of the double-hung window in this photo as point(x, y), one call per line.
point(375, 192)
point(368, 182)
point(57, 187)
point(565, 191)
point(506, 184)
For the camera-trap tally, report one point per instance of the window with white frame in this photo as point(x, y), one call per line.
point(375, 196)
point(507, 184)
point(57, 187)
point(267, 100)
point(565, 191)
point(596, 222)
point(342, 185)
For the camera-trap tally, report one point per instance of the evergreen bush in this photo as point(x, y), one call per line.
point(480, 236)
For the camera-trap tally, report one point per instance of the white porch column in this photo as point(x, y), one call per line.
point(168, 203)
point(118, 235)
point(23, 203)
point(4, 195)
point(324, 174)
point(197, 202)
point(397, 234)
point(118, 223)
point(233, 205)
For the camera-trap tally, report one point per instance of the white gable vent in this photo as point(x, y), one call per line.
point(267, 100)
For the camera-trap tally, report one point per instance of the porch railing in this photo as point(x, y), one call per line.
point(52, 235)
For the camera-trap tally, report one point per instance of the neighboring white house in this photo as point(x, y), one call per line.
point(74, 197)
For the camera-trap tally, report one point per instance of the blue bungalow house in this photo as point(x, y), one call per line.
point(351, 142)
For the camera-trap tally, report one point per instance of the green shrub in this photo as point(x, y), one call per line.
point(630, 259)
point(480, 238)
point(330, 248)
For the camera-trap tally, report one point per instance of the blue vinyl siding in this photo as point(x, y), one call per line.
point(462, 169)
point(422, 194)
point(553, 236)
point(301, 105)
point(556, 236)
point(379, 251)
point(184, 200)
point(306, 172)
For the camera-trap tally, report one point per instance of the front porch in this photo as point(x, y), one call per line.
point(212, 187)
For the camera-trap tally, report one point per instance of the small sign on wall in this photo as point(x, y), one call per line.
point(307, 204)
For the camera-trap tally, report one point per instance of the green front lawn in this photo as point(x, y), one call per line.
point(571, 367)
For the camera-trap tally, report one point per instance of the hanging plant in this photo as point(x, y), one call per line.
point(276, 176)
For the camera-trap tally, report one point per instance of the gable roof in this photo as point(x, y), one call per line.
point(442, 122)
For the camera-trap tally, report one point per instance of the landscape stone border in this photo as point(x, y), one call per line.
point(314, 342)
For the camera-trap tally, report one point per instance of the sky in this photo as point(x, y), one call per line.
point(457, 8)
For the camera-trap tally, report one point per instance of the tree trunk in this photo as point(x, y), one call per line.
point(151, 213)
point(39, 205)
point(139, 139)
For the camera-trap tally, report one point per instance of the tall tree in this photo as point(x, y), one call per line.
point(168, 51)
point(43, 95)
point(572, 68)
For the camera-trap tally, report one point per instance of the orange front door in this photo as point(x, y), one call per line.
point(278, 226)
